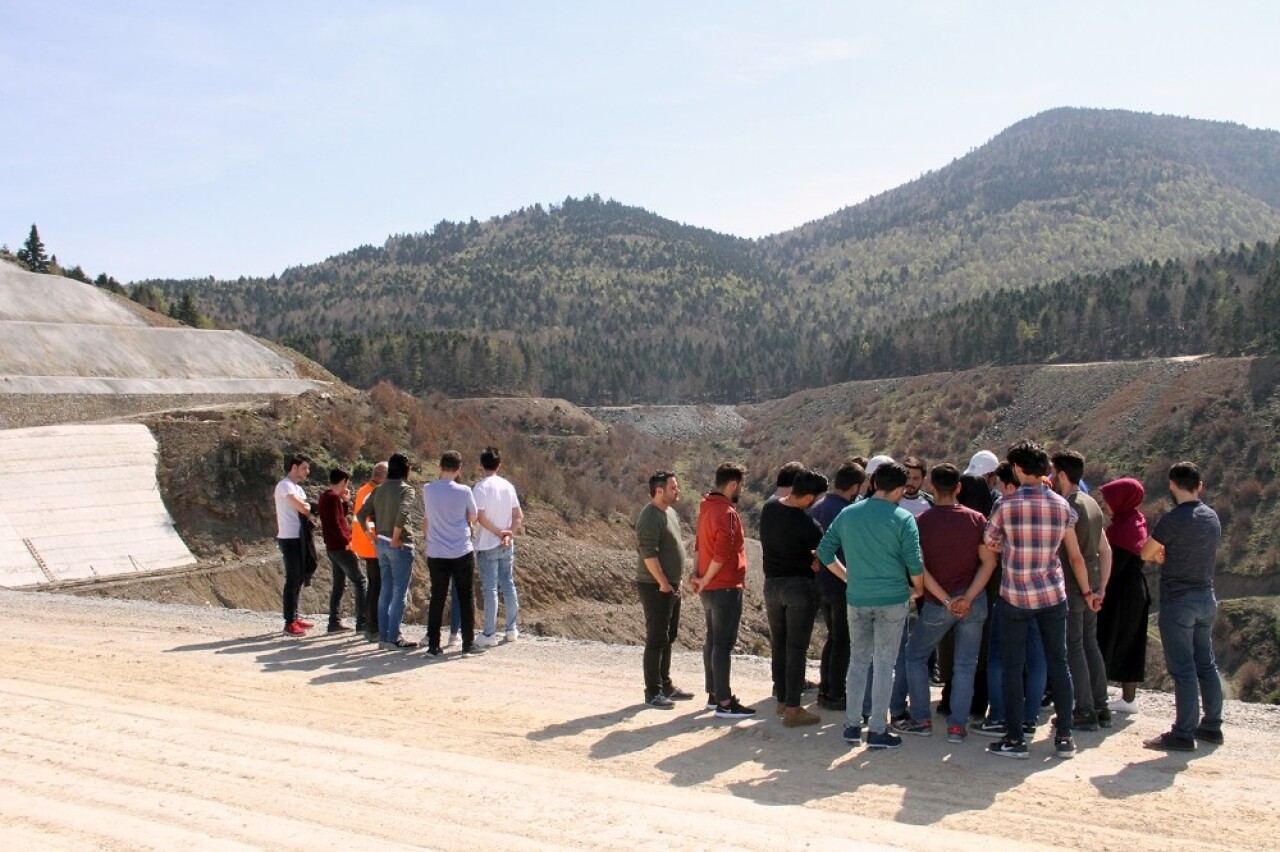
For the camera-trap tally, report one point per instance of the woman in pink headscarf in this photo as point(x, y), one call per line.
point(1122, 623)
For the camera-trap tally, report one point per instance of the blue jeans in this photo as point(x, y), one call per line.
point(875, 635)
point(1016, 623)
point(898, 698)
point(1033, 671)
point(1186, 632)
point(932, 625)
point(396, 566)
point(497, 568)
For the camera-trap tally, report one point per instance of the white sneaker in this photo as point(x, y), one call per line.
point(455, 640)
point(1122, 706)
point(487, 641)
point(513, 634)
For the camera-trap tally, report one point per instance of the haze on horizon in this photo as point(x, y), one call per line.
point(185, 140)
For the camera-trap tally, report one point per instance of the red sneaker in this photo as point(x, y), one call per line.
point(294, 628)
point(305, 625)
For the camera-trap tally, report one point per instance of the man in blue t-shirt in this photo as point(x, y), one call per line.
point(449, 510)
point(1185, 543)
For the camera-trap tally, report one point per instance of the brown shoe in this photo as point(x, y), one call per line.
point(781, 708)
point(796, 717)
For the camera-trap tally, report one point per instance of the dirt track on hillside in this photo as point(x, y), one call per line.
point(136, 725)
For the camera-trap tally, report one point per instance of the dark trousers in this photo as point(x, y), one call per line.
point(791, 604)
point(835, 651)
point(345, 566)
point(1084, 658)
point(373, 591)
point(661, 624)
point(461, 572)
point(291, 551)
point(723, 611)
point(1014, 624)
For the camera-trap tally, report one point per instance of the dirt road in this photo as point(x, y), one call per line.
point(136, 725)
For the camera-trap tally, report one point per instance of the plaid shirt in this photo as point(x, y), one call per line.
point(1029, 525)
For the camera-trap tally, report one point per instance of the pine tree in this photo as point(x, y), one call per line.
point(32, 255)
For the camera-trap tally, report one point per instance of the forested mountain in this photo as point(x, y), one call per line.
point(596, 301)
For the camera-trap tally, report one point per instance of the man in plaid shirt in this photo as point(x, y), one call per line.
point(1026, 528)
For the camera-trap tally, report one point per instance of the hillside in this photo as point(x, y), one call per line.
point(602, 303)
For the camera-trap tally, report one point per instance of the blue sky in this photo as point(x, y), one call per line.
point(184, 139)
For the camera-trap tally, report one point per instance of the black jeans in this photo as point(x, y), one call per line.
point(661, 624)
point(291, 551)
point(835, 651)
point(374, 572)
point(345, 566)
point(462, 571)
point(1014, 623)
point(1084, 657)
point(723, 611)
point(791, 604)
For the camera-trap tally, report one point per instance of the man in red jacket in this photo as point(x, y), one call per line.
point(719, 581)
point(336, 528)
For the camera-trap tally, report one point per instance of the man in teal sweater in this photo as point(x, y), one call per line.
point(882, 545)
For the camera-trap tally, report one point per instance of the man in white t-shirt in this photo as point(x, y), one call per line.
point(498, 516)
point(449, 510)
point(291, 504)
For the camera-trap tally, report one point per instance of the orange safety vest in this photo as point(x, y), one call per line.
point(361, 542)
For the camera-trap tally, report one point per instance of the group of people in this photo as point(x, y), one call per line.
point(462, 528)
point(1026, 589)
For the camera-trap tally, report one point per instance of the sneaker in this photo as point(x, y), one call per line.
point(1122, 706)
point(487, 640)
point(339, 627)
point(675, 693)
point(660, 701)
point(1208, 735)
point(455, 639)
point(434, 652)
point(734, 710)
point(474, 649)
point(989, 728)
point(911, 726)
point(1064, 747)
point(1079, 722)
point(1104, 718)
point(1007, 748)
point(293, 628)
point(835, 704)
point(809, 686)
point(1168, 742)
point(512, 635)
point(712, 704)
point(798, 717)
point(956, 733)
point(402, 644)
point(883, 741)
point(384, 645)
point(901, 717)
point(852, 734)
point(1028, 728)
point(305, 625)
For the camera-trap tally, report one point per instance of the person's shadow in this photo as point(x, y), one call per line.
point(1152, 775)
point(342, 657)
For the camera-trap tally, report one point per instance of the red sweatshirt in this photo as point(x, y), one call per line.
point(721, 539)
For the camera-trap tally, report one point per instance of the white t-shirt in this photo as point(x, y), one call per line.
point(288, 524)
point(496, 497)
point(915, 505)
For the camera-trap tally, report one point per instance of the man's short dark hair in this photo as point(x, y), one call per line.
point(450, 460)
point(1030, 456)
point(398, 466)
point(490, 458)
point(890, 476)
point(859, 461)
point(338, 475)
point(1185, 475)
point(729, 472)
point(913, 463)
point(808, 482)
point(787, 474)
point(848, 475)
point(294, 459)
point(658, 479)
point(1071, 463)
point(1005, 474)
point(945, 478)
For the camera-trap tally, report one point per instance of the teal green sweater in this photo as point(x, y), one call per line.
point(881, 545)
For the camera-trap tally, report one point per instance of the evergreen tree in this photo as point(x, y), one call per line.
point(32, 255)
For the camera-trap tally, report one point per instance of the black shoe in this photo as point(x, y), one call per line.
point(734, 710)
point(338, 627)
point(1028, 728)
point(883, 741)
point(852, 734)
point(473, 649)
point(1104, 719)
point(1008, 748)
point(434, 652)
point(712, 704)
point(675, 693)
point(809, 686)
point(989, 728)
point(1168, 742)
point(935, 676)
point(1064, 747)
point(901, 717)
point(836, 704)
point(1079, 722)
point(1208, 735)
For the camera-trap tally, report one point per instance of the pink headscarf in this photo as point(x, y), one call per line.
point(1128, 528)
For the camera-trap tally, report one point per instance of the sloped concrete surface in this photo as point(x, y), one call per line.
point(81, 502)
